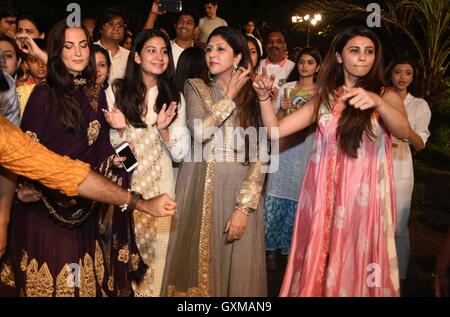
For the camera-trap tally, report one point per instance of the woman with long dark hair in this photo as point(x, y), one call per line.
point(255, 52)
point(400, 78)
point(12, 56)
point(191, 64)
point(66, 246)
point(282, 187)
point(343, 242)
point(250, 30)
point(155, 122)
point(217, 244)
point(103, 65)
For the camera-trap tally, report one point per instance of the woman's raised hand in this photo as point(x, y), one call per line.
point(360, 98)
point(27, 193)
point(238, 80)
point(166, 115)
point(115, 118)
point(27, 45)
point(263, 85)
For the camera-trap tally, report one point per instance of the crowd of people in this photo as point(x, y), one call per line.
point(203, 213)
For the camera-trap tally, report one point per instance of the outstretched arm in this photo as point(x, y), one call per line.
point(28, 46)
point(297, 121)
point(96, 187)
point(152, 16)
point(389, 106)
point(24, 156)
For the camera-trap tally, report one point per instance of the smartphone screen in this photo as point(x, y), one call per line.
point(171, 5)
point(130, 161)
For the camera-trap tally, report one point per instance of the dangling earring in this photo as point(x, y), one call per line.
point(210, 77)
point(235, 69)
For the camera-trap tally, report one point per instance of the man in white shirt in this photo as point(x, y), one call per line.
point(109, 31)
point(184, 29)
point(276, 62)
point(210, 22)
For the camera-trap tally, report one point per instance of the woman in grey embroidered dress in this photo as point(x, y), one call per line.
point(217, 241)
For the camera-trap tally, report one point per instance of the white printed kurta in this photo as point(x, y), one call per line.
point(152, 177)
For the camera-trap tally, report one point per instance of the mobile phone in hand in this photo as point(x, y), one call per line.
point(131, 162)
point(171, 6)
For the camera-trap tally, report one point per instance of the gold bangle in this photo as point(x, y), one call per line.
point(244, 210)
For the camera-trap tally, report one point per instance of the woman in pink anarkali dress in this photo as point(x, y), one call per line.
point(343, 242)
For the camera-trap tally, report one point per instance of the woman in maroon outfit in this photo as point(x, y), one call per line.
point(65, 246)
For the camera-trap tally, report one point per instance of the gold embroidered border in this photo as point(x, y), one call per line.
point(99, 264)
point(65, 283)
point(87, 284)
point(124, 254)
point(39, 282)
point(204, 267)
point(24, 262)
point(93, 131)
point(92, 93)
point(7, 276)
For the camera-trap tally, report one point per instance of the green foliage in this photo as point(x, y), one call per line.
point(430, 20)
point(418, 196)
point(440, 126)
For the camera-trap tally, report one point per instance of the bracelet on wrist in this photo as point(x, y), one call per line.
point(264, 99)
point(135, 196)
point(125, 206)
point(244, 210)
